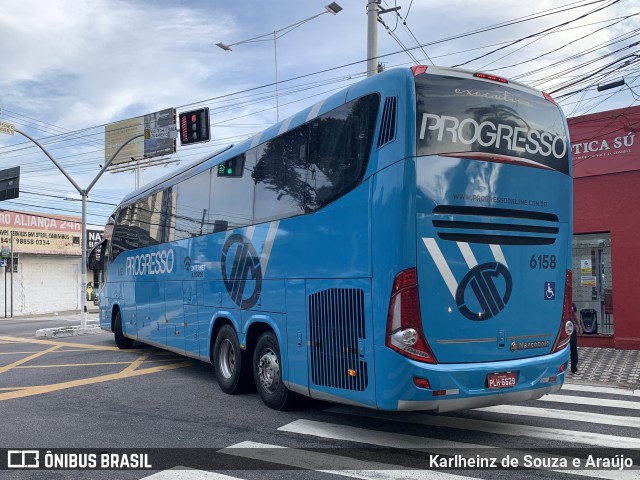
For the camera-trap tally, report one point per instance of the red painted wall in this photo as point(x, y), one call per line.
point(611, 203)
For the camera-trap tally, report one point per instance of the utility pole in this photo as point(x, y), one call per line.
point(372, 37)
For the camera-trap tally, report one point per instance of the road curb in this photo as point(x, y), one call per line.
point(73, 331)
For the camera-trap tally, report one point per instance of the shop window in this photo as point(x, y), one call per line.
point(592, 282)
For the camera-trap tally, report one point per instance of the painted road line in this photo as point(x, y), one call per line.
point(40, 389)
point(412, 442)
point(184, 473)
point(19, 353)
point(600, 389)
point(499, 428)
point(137, 362)
point(6, 368)
point(333, 464)
point(570, 415)
point(36, 341)
point(94, 364)
point(598, 402)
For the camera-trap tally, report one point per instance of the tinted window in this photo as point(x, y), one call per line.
point(339, 147)
point(192, 206)
point(280, 176)
point(459, 115)
point(125, 234)
point(231, 203)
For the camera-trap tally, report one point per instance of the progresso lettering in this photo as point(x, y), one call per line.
point(499, 136)
point(151, 263)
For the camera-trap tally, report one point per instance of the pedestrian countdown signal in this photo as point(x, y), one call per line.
point(195, 126)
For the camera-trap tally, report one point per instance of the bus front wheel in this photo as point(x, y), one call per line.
point(267, 374)
point(122, 342)
point(229, 362)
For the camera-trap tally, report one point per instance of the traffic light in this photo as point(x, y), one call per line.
point(195, 126)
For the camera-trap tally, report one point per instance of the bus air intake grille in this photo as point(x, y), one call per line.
point(495, 226)
point(388, 123)
point(336, 326)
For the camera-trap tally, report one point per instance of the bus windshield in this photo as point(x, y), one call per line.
point(466, 116)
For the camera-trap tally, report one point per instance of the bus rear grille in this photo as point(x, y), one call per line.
point(496, 226)
point(336, 326)
point(388, 124)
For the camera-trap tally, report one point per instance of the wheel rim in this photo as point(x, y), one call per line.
point(227, 360)
point(269, 371)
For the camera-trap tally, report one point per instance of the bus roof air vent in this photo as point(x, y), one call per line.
point(387, 132)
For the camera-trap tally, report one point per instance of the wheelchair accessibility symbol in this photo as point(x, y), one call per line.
point(549, 290)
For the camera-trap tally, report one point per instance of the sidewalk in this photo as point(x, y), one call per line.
point(620, 368)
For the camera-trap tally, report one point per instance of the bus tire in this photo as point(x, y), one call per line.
point(122, 342)
point(267, 374)
point(229, 362)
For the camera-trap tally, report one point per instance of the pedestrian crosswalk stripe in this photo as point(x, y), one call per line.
point(184, 473)
point(570, 415)
point(598, 402)
point(560, 435)
point(412, 442)
point(575, 387)
point(340, 465)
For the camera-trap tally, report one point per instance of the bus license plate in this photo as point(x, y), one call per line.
point(501, 380)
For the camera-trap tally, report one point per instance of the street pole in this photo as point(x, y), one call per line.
point(372, 37)
point(84, 194)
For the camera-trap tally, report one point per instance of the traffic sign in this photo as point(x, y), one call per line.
point(6, 127)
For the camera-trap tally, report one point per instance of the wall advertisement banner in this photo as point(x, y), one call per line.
point(605, 142)
point(41, 234)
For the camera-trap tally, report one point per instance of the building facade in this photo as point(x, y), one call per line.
point(606, 258)
point(40, 263)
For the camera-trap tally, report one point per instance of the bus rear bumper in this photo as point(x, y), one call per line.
point(463, 386)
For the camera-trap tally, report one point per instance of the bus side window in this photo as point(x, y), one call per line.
point(192, 216)
point(231, 199)
point(280, 176)
point(339, 148)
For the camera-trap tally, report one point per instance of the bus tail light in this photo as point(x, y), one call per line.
point(493, 78)
point(404, 323)
point(566, 325)
point(418, 70)
point(549, 98)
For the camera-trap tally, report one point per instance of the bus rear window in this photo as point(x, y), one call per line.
point(462, 115)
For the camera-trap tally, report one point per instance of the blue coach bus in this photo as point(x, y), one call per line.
point(404, 244)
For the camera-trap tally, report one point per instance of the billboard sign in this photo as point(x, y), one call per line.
point(605, 142)
point(158, 128)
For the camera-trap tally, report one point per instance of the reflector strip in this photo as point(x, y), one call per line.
point(441, 263)
point(441, 393)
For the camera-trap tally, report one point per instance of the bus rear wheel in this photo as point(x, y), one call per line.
point(267, 374)
point(122, 342)
point(229, 362)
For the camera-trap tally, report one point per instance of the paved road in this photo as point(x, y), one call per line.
point(82, 392)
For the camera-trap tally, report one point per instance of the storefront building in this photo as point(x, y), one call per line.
point(40, 263)
point(606, 227)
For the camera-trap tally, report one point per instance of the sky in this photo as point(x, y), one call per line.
point(70, 67)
